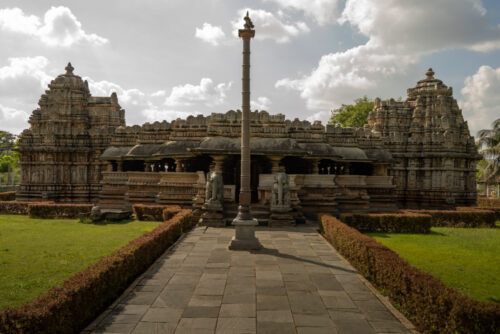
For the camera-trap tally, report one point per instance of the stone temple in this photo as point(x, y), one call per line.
point(416, 153)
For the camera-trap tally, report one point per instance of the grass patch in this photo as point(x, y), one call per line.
point(463, 258)
point(37, 254)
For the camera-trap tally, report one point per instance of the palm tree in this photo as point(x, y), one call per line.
point(489, 141)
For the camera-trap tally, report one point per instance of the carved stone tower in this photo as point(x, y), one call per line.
point(60, 152)
point(436, 156)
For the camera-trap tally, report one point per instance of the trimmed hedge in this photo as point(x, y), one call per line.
point(8, 196)
point(53, 210)
point(152, 212)
point(69, 308)
point(388, 222)
point(432, 306)
point(14, 208)
point(170, 211)
point(478, 208)
point(460, 217)
point(488, 202)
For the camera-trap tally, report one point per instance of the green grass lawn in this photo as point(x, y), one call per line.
point(467, 259)
point(37, 254)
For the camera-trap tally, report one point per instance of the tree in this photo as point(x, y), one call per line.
point(353, 115)
point(489, 142)
point(9, 159)
point(7, 141)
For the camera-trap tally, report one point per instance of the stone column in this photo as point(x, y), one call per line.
point(315, 163)
point(119, 166)
point(109, 166)
point(275, 162)
point(347, 170)
point(178, 165)
point(244, 222)
point(219, 162)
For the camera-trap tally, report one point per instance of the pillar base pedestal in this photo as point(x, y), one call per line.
point(244, 238)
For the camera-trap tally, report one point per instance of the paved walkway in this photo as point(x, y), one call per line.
point(297, 284)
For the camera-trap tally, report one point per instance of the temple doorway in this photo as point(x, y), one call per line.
point(199, 163)
point(231, 172)
point(297, 165)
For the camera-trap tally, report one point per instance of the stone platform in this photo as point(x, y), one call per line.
point(296, 284)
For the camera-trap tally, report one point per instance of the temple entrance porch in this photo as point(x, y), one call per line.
point(231, 172)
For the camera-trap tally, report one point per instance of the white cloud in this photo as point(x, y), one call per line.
point(481, 105)
point(60, 27)
point(322, 11)
point(139, 106)
point(13, 120)
point(270, 26)
point(399, 33)
point(262, 103)
point(323, 116)
point(210, 34)
point(207, 93)
point(20, 79)
point(23, 80)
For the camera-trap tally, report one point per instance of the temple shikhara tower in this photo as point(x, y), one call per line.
point(60, 151)
point(414, 153)
point(430, 141)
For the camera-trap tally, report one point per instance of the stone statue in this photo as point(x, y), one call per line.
point(95, 213)
point(248, 22)
point(280, 200)
point(214, 189)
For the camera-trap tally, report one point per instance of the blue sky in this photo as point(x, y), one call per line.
point(169, 59)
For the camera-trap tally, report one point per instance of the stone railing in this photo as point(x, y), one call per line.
point(114, 178)
point(379, 182)
point(351, 181)
point(178, 188)
point(144, 178)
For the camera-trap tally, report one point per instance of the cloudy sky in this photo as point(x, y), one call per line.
point(169, 59)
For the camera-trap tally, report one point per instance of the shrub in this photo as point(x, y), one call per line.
point(151, 212)
point(14, 208)
point(433, 307)
point(8, 196)
point(478, 208)
point(67, 309)
point(460, 217)
point(53, 210)
point(488, 202)
point(170, 211)
point(388, 222)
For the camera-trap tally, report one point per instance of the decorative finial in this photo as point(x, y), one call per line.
point(430, 73)
point(69, 69)
point(248, 22)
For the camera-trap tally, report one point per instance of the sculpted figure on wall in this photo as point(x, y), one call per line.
point(280, 199)
point(214, 189)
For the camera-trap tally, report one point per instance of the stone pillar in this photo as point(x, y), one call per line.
point(119, 166)
point(178, 165)
point(219, 162)
point(275, 162)
point(244, 222)
point(109, 166)
point(315, 163)
point(347, 169)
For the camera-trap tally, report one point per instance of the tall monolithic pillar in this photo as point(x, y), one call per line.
point(244, 222)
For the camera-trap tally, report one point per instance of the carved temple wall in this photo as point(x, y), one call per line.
point(416, 153)
point(435, 155)
point(60, 151)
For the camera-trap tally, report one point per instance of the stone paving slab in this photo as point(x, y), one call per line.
point(297, 284)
